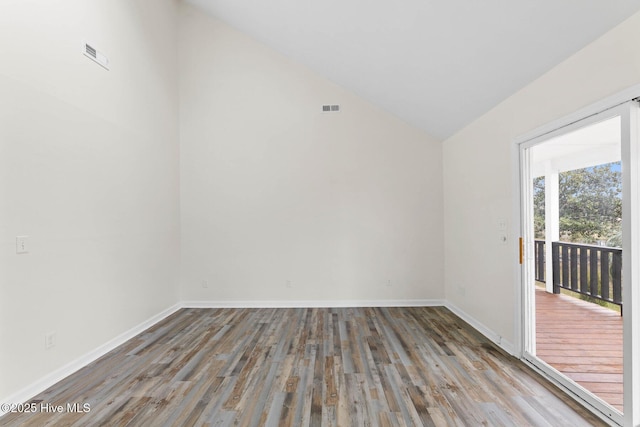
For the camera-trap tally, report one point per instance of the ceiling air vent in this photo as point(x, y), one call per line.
point(93, 54)
point(330, 108)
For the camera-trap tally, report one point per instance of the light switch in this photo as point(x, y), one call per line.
point(22, 246)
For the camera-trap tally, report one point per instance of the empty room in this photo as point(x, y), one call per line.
point(220, 213)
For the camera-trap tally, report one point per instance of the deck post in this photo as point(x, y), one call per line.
point(552, 217)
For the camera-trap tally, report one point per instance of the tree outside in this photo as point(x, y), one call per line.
point(590, 205)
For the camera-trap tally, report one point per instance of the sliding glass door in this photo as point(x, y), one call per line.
point(579, 223)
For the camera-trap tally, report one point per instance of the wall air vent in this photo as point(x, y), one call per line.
point(93, 54)
point(330, 108)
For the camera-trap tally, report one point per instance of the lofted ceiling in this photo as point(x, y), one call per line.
point(437, 64)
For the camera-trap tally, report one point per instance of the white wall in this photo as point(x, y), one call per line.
point(478, 171)
point(89, 171)
point(273, 190)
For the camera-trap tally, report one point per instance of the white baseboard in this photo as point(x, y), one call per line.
point(314, 304)
point(47, 381)
point(484, 330)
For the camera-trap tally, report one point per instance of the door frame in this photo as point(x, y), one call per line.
point(617, 105)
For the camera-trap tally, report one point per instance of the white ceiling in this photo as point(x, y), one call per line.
point(437, 64)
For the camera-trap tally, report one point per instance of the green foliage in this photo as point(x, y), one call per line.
point(538, 207)
point(590, 205)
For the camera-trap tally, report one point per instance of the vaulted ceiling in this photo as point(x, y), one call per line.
point(437, 64)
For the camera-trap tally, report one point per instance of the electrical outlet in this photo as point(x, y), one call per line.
point(389, 284)
point(49, 340)
point(288, 284)
point(22, 244)
point(205, 284)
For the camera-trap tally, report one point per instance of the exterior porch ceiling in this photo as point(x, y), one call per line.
point(436, 64)
point(590, 146)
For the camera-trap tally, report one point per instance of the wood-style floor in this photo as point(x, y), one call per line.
point(299, 367)
point(583, 341)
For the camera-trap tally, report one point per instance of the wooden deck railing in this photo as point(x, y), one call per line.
point(540, 260)
point(595, 271)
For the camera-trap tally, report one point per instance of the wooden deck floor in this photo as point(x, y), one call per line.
point(307, 367)
point(583, 341)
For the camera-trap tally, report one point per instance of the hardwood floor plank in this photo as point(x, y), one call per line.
point(311, 366)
